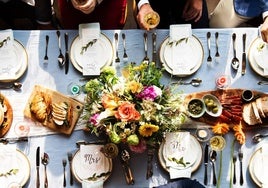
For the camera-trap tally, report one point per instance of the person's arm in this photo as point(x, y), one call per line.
point(144, 8)
point(264, 29)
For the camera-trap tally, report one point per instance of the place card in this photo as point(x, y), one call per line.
point(179, 31)
point(176, 152)
point(89, 34)
point(8, 57)
point(93, 161)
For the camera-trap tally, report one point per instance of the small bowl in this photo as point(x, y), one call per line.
point(202, 134)
point(213, 106)
point(196, 108)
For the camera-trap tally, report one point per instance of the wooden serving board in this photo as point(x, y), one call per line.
point(56, 97)
point(221, 93)
point(8, 116)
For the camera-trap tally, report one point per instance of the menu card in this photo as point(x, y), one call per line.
point(8, 57)
point(93, 161)
point(8, 158)
point(180, 50)
point(89, 34)
point(176, 154)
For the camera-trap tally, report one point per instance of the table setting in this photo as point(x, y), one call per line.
point(117, 102)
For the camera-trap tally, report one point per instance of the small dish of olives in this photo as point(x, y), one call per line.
point(213, 106)
point(196, 108)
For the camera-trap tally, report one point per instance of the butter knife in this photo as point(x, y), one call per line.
point(206, 164)
point(66, 53)
point(154, 48)
point(13, 140)
point(37, 167)
point(244, 55)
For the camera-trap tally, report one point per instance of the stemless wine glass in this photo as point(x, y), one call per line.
point(22, 128)
point(152, 19)
point(217, 143)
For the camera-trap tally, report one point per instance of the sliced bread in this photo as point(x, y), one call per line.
point(260, 106)
point(248, 114)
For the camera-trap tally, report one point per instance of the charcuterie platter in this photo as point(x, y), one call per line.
point(6, 115)
point(251, 113)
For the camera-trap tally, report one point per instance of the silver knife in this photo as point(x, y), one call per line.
point(154, 48)
point(244, 54)
point(66, 53)
point(37, 167)
point(13, 140)
point(206, 164)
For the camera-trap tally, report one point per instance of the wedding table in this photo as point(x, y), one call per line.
point(53, 77)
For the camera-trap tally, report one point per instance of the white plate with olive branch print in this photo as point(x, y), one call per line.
point(104, 52)
point(90, 164)
point(189, 56)
point(20, 174)
point(189, 160)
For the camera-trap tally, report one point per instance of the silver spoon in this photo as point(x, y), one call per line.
point(45, 161)
point(194, 82)
point(213, 157)
point(258, 137)
point(235, 61)
point(263, 82)
point(61, 58)
point(16, 86)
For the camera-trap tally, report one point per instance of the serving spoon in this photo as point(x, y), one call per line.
point(16, 86)
point(258, 137)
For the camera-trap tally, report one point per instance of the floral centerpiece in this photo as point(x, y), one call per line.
point(135, 108)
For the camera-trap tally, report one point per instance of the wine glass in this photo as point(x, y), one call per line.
point(152, 19)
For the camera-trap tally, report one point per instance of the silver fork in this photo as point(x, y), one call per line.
point(209, 59)
point(64, 162)
point(125, 57)
point(46, 56)
point(146, 58)
point(240, 157)
point(70, 158)
point(117, 59)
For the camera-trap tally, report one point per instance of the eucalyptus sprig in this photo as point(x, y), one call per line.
point(170, 43)
point(179, 161)
point(90, 43)
point(4, 42)
point(95, 177)
point(10, 172)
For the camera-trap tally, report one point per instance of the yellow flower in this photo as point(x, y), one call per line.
point(134, 87)
point(147, 129)
point(109, 101)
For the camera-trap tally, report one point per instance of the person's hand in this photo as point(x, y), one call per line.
point(144, 9)
point(86, 7)
point(192, 10)
point(264, 30)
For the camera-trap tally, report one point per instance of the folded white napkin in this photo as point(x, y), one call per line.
point(93, 162)
point(88, 33)
point(180, 52)
point(92, 184)
point(8, 58)
point(8, 158)
point(177, 147)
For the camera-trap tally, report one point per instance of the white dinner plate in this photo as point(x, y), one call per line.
point(258, 165)
point(79, 173)
point(20, 63)
point(23, 174)
point(190, 51)
point(104, 52)
point(258, 57)
point(195, 160)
